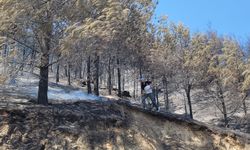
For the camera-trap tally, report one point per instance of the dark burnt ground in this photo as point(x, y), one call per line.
point(90, 125)
point(80, 125)
point(34, 127)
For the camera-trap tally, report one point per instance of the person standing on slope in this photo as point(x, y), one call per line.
point(148, 92)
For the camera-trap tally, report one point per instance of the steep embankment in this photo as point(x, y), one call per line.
point(105, 125)
point(175, 131)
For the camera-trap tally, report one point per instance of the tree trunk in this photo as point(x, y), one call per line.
point(224, 111)
point(156, 94)
point(244, 104)
point(75, 74)
point(65, 71)
point(44, 68)
point(43, 83)
point(185, 104)
point(101, 79)
point(5, 56)
point(84, 71)
point(69, 74)
point(80, 70)
point(119, 78)
point(188, 94)
point(58, 69)
point(58, 73)
point(123, 81)
point(166, 93)
point(134, 91)
point(140, 70)
point(89, 75)
point(96, 86)
point(114, 77)
point(109, 78)
point(221, 97)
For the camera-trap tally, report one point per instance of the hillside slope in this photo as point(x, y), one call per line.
point(104, 125)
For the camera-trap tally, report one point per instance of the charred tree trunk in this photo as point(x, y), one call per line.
point(166, 93)
point(140, 71)
point(109, 78)
point(119, 78)
point(43, 83)
point(80, 70)
point(44, 67)
point(84, 71)
point(123, 81)
point(244, 104)
point(221, 98)
point(188, 94)
point(114, 77)
point(58, 69)
point(185, 104)
point(134, 91)
point(224, 108)
point(96, 83)
point(65, 71)
point(224, 111)
point(58, 73)
point(75, 73)
point(69, 74)
point(89, 75)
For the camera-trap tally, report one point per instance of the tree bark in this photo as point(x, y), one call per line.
point(114, 82)
point(119, 78)
point(58, 73)
point(44, 74)
point(43, 84)
point(140, 71)
point(44, 67)
point(80, 70)
point(5, 56)
point(96, 86)
point(109, 78)
point(224, 111)
point(166, 93)
point(58, 69)
point(244, 104)
point(65, 71)
point(188, 94)
point(221, 97)
point(123, 81)
point(185, 104)
point(134, 91)
point(75, 76)
point(89, 75)
point(69, 74)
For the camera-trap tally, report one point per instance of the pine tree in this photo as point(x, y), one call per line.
point(227, 66)
point(38, 19)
